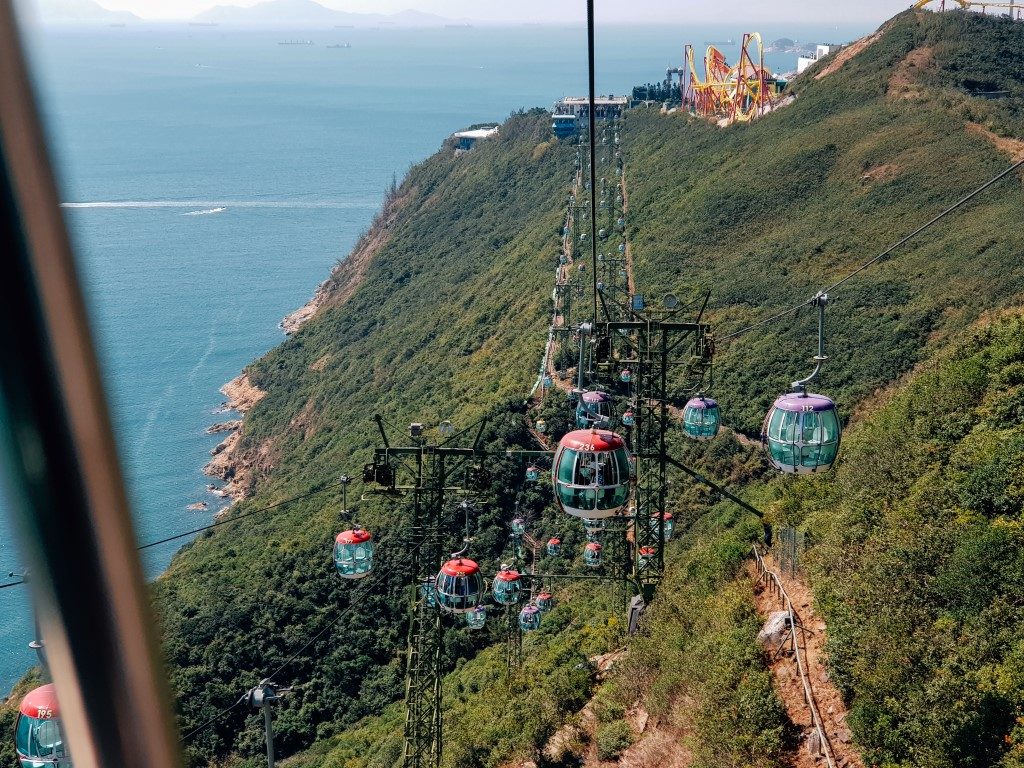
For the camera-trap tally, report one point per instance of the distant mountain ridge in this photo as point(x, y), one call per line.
point(77, 12)
point(309, 12)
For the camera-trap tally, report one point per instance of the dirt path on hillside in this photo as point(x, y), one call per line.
point(787, 677)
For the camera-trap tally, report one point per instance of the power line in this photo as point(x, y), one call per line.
point(312, 492)
point(250, 513)
point(958, 204)
point(354, 602)
point(223, 713)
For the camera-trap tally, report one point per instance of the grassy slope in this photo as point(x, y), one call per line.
point(762, 215)
point(918, 566)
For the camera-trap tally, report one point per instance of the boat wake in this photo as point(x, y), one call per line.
point(216, 206)
point(205, 212)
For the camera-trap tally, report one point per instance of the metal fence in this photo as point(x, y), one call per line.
point(792, 643)
point(788, 547)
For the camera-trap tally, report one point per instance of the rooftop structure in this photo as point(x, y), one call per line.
point(466, 139)
point(820, 51)
point(606, 107)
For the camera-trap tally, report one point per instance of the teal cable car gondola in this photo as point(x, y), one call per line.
point(508, 587)
point(529, 618)
point(39, 740)
point(459, 585)
point(476, 618)
point(701, 418)
point(801, 432)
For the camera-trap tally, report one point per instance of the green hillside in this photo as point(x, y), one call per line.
point(765, 214)
point(442, 312)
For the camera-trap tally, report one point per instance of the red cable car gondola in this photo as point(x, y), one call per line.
point(591, 474)
point(39, 740)
point(353, 553)
point(459, 585)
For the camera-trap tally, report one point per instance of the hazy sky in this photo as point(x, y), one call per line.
point(558, 11)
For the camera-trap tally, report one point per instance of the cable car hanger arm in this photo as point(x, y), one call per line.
point(714, 486)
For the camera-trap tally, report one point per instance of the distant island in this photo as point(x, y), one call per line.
point(309, 13)
point(785, 45)
point(78, 12)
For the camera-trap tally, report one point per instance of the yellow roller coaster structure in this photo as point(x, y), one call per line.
point(732, 94)
point(1009, 5)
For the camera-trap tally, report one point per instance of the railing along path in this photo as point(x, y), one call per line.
point(771, 580)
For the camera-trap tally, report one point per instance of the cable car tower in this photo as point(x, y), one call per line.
point(430, 471)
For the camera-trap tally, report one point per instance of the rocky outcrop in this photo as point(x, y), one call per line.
point(775, 631)
point(230, 463)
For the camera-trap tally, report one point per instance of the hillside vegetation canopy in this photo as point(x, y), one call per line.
point(916, 562)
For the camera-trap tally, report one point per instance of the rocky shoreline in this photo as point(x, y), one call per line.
point(236, 468)
point(228, 464)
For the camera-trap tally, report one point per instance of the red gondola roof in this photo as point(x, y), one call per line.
point(357, 536)
point(594, 546)
point(554, 541)
point(460, 567)
point(42, 702)
point(592, 440)
point(507, 575)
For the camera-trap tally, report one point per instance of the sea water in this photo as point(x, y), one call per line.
point(212, 178)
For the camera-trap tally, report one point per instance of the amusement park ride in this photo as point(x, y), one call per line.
point(737, 93)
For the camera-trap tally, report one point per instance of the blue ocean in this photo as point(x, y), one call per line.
point(213, 177)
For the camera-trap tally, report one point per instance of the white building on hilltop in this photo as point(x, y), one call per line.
point(820, 51)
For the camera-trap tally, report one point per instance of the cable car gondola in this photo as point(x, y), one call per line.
point(518, 526)
point(38, 739)
point(591, 474)
point(647, 556)
point(529, 618)
point(545, 601)
point(801, 431)
point(508, 586)
point(701, 418)
point(554, 546)
point(429, 593)
point(670, 524)
point(353, 553)
point(459, 585)
point(592, 554)
point(593, 408)
point(476, 618)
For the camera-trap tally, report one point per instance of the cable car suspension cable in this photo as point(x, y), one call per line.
point(958, 204)
point(593, 151)
point(250, 513)
point(354, 602)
